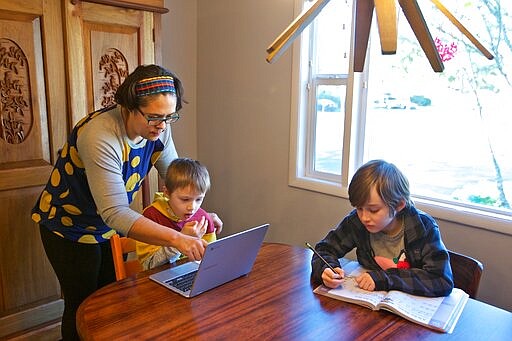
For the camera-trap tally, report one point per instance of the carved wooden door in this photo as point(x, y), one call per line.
point(42, 95)
point(104, 44)
point(32, 127)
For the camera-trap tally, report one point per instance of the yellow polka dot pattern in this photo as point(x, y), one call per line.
point(69, 168)
point(55, 178)
point(66, 205)
point(126, 152)
point(66, 221)
point(36, 217)
point(132, 181)
point(88, 239)
point(155, 157)
point(75, 158)
point(64, 194)
point(135, 161)
point(64, 151)
point(71, 209)
point(45, 201)
point(53, 210)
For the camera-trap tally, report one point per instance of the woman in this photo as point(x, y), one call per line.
point(97, 175)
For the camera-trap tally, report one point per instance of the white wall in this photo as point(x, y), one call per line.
point(179, 54)
point(243, 118)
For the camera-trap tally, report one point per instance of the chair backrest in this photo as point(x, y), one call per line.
point(124, 265)
point(466, 272)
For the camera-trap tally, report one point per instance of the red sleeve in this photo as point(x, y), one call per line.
point(202, 213)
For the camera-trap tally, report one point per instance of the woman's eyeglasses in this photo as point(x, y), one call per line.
point(154, 120)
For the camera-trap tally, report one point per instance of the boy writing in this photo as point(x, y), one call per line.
point(399, 245)
point(179, 207)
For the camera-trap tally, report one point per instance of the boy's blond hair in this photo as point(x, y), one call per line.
point(185, 172)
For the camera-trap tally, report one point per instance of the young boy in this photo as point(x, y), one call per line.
point(399, 245)
point(179, 207)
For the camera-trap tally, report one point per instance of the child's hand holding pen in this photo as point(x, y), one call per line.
point(332, 277)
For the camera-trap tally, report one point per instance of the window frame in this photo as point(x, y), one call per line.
point(302, 133)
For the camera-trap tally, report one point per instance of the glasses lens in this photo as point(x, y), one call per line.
point(174, 117)
point(155, 121)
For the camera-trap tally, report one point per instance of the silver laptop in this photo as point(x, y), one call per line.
point(224, 260)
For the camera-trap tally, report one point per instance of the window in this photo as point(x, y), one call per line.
point(449, 132)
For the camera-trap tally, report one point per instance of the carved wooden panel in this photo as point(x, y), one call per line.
point(113, 56)
point(105, 43)
point(32, 128)
point(15, 109)
point(42, 95)
point(23, 124)
point(113, 69)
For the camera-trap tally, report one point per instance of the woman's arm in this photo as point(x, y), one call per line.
point(147, 231)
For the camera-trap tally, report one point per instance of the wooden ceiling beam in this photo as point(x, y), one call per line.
point(363, 18)
point(463, 29)
point(415, 18)
point(286, 38)
point(387, 23)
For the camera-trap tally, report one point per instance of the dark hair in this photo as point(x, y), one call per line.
point(184, 172)
point(126, 95)
point(391, 185)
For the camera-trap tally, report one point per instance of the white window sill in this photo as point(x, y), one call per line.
point(460, 215)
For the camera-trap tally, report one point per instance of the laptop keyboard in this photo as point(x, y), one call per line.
point(183, 283)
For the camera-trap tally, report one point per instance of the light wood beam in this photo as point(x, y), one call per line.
point(463, 29)
point(285, 39)
point(387, 23)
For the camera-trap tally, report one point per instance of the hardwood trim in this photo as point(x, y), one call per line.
point(31, 317)
point(15, 177)
point(128, 5)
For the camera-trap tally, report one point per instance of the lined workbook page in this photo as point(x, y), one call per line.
point(349, 288)
point(419, 308)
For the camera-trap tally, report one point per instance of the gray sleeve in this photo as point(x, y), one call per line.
point(162, 256)
point(100, 149)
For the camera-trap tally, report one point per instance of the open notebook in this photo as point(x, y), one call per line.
point(224, 260)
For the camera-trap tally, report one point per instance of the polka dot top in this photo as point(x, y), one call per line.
point(97, 175)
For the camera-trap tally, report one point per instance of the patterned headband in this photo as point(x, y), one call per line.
point(154, 85)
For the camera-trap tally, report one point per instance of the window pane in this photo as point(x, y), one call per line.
point(332, 38)
point(330, 110)
point(449, 132)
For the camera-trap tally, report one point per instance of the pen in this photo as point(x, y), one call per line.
point(322, 258)
point(329, 265)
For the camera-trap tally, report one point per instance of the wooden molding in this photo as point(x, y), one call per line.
point(30, 318)
point(140, 6)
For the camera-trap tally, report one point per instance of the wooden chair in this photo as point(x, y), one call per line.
point(466, 272)
point(122, 249)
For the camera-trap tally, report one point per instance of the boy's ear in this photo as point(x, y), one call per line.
point(166, 191)
point(400, 206)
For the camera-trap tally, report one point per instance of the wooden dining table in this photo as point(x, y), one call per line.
point(275, 301)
